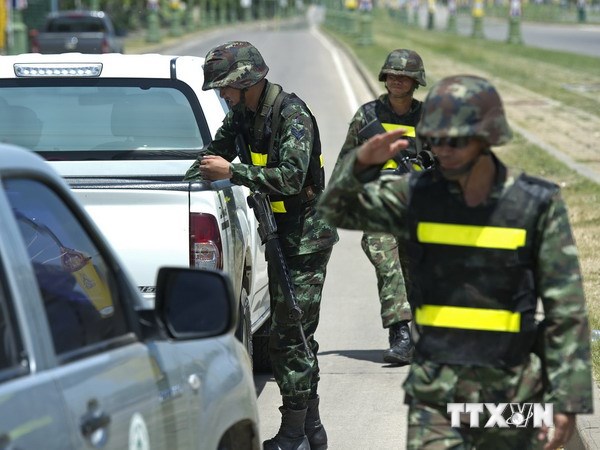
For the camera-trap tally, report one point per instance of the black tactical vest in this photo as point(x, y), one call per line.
point(262, 142)
point(472, 285)
point(379, 110)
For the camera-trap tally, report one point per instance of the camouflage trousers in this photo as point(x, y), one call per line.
point(429, 429)
point(296, 374)
point(383, 252)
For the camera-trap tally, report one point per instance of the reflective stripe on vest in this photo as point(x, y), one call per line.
point(410, 131)
point(471, 235)
point(468, 318)
point(391, 164)
point(259, 159)
point(278, 207)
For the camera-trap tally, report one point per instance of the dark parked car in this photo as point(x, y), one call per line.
point(77, 31)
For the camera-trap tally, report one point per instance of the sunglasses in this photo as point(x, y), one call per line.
point(452, 142)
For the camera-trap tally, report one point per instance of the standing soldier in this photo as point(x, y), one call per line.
point(402, 73)
point(283, 160)
point(486, 243)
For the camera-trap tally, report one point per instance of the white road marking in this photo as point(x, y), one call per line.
point(335, 56)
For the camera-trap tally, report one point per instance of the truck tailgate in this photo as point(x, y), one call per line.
point(147, 226)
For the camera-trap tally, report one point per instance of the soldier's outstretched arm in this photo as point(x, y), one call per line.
point(379, 149)
point(356, 198)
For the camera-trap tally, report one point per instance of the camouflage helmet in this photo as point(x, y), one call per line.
point(236, 64)
point(464, 105)
point(404, 62)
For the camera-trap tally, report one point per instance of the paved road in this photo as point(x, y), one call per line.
point(582, 39)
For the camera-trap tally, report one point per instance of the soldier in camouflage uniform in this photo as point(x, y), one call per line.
point(402, 73)
point(284, 161)
point(497, 243)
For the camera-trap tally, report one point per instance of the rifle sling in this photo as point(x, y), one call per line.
point(273, 91)
point(275, 124)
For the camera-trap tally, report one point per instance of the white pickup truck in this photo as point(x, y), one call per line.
point(122, 130)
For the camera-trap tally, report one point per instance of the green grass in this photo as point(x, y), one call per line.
point(582, 197)
point(572, 80)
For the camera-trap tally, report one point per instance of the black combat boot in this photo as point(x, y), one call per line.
point(291, 434)
point(401, 347)
point(315, 431)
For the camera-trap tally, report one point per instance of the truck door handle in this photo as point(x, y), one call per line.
point(93, 420)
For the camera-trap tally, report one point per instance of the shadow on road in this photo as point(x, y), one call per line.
point(260, 381)
point(361, 355)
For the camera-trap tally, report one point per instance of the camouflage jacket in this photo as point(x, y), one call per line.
point(379, 205)
point(307, 233)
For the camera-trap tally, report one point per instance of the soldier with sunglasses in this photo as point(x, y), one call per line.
point(499, 308)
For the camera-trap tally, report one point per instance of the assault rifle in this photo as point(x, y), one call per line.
point(267, 230)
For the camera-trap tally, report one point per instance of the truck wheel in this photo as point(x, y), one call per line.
point(244, 330)
point(261, 361)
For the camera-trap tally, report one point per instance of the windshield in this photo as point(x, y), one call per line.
point(75, 24)
point(101, 121)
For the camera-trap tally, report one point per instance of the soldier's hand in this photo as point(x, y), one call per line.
point(214, 168)
point(564, 426)
point(380, 148)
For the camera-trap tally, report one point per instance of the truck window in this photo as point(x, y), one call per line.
point(76, 24)
point(75, 283)
point(102, 121)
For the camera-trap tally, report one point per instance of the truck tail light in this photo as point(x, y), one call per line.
point(206, 249)
point(105, 47)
